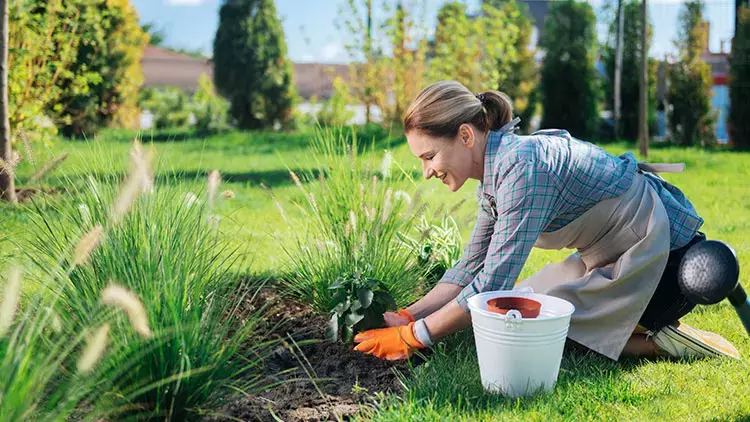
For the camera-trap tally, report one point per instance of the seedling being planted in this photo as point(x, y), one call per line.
point(357, 305)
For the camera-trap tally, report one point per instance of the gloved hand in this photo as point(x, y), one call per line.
point(393, 343)
point(396, 319)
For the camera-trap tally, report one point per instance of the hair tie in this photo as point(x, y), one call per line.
point(481, 98)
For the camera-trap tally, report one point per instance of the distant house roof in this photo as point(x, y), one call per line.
point(167, 68)
point(317, 78)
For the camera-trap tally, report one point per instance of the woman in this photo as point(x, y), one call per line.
point(628, 226)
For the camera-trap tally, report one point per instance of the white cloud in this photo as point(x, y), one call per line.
point(331, 51)
point(185, 2)
point(308, 58)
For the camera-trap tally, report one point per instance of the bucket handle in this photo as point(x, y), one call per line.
point(513, 319)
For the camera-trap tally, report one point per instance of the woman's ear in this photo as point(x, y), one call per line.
point(466, 135)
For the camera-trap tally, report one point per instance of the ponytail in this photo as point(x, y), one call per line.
point(441, 108)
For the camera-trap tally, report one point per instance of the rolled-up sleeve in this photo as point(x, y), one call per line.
point(475, 250)
point(525, 206)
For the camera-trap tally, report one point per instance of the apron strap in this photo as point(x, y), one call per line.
point(511, 126)
point(662, 167)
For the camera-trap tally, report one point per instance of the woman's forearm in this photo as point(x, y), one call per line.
point(434, 300)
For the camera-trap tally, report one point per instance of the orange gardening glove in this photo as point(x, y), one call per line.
point(393, 343)
point(395, 319)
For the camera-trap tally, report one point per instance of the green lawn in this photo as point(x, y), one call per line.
point(448, 386)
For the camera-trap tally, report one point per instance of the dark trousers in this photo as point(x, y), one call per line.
point(668, 304)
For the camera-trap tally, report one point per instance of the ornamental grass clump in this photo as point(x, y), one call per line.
point(347, 236)
point(161, 267)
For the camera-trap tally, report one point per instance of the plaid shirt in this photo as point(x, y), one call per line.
point(540, 183)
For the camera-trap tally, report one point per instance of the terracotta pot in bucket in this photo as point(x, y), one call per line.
point(527, 307)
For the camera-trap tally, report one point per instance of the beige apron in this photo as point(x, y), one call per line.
point(622, 248)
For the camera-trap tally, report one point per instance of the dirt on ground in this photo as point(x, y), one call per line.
point(318, 380)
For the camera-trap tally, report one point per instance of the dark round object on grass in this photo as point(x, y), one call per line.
point(708, 272)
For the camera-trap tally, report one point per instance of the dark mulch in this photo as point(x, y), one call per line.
point(344, 380)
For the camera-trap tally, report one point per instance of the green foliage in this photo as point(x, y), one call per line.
point(691, 119)
point(400, 76)
point(350, 220)
point(570, 84)
point(170, 106)
point(359, 26)
point(174, 108)
point(469, 50)
point(110, 53)
point(521, 83)
point(44, 37)
point(436, 246)
point(334, 112)
point(167, 250)
point(739, 85)
point(211, 111)
point(631, 68)
point(34, 348)
point(358, 305)
point(252, 70)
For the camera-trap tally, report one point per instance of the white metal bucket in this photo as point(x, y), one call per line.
point(520, 356)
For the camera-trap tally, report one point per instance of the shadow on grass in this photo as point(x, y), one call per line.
point(270, 178)
point(369, 137)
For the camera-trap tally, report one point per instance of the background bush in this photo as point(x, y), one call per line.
point(570, 84)
point(252, 70)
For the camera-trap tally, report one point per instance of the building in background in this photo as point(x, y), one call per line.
point(162, 67)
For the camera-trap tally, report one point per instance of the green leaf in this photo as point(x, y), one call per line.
point(352, 318)
point(386, 299)
point(365, 296)
point(356, 305)
point(372, 283)
point(347, 334)
point(332, 330)
point(338, 284)
point(341, 307)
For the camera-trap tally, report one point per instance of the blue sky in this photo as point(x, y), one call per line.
point(312, 36)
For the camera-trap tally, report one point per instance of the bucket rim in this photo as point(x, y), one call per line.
point(566, 308)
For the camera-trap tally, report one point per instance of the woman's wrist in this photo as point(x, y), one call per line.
point(421, 333)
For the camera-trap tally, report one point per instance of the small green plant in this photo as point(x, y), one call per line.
point(437, 246)
point(358, 305)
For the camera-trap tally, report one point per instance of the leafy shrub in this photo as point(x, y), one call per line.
point(170, 107)
point(42, 47)
point(350, 223)
point(631, 68)
point(110, 54)
point(252, 70)
point(168, 251)
point(334, 112)
point(210, 110)
point(739, 68)
point(570, 83)
point(691, 117)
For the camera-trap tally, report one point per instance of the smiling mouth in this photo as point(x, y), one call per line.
point(445, 176)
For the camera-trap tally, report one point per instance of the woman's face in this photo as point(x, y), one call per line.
point(453, 160)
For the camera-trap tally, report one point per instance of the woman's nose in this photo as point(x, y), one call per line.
point(427, 172)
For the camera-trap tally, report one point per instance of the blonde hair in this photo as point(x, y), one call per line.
point(441, 108)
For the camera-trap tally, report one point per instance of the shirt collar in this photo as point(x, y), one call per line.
point(491, 152)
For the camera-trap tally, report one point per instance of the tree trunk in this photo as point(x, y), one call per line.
point(368, 57)
point(7, 187)
point(618, 70)
point(643, 85)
